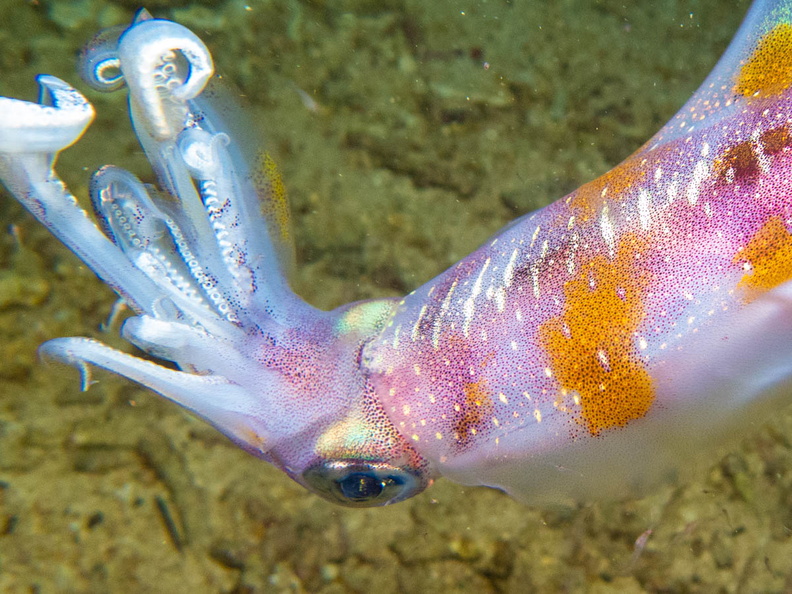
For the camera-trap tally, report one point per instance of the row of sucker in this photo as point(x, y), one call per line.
point(203, 247)
point(149, 238)
point(207, 159)
point(177, 263)
point(190, 228)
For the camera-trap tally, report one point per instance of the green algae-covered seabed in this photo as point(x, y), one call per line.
point(407, 132)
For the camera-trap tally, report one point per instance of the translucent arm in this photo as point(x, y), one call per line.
point(31, 135)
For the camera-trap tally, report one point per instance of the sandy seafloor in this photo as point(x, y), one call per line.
point(410, 154)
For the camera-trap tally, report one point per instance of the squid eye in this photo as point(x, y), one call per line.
point(357, 483)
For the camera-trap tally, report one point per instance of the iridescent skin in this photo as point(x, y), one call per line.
point(588, 349)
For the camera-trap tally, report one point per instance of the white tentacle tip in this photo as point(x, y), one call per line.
point(53, 124)
point(156, 83)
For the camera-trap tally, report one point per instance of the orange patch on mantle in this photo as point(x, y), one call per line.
point(615, 185)
point(591, 345)
point(476, 410)
point(768, 70)
point(769, 252)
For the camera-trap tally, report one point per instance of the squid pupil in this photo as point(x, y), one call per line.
point(359, 486)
